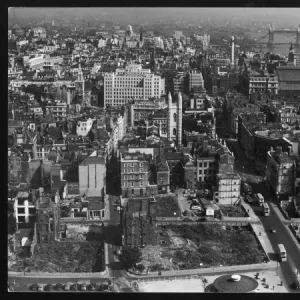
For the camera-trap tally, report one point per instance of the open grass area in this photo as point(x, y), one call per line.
point(202, 245)
point(167, 206)
point(71, 257)
point(232, 211)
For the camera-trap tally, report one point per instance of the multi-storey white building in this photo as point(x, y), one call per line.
point(83, 127)
point(133, 82)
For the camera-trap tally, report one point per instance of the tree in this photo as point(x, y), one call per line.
point(130, 256)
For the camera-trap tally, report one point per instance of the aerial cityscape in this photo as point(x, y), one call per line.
point(153, 150)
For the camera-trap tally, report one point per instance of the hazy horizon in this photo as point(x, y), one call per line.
point(136, 15)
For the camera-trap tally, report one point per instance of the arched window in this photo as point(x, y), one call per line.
point(175, 117)
point(174, 131)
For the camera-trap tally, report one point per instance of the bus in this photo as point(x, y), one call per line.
point(260, 199)
point(266, 209)
point(282, 253)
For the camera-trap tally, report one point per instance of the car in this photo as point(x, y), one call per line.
point(59, 287)
point(66, 287)
point(35, 287)
point(74, 287)
point(92, 287)
point(272, 230)
point(185, 213)
point(48, 287)
point(196, 207)
point(83, 287)
point(296, 284)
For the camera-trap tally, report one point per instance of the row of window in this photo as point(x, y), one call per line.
point(210, 164)
point(207, 171)
point(131, 183)
point(132, 170)
point(131, 176)
point(131, 164)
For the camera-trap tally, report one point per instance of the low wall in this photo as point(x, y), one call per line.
point(103, 274)
point(207, 271)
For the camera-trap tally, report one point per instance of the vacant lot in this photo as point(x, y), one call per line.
point(167, 206)
point(190, 247)
point(64, 257)
point(232, 211)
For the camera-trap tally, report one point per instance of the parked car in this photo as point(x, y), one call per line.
point(59, 287)
point(196, 207)
point(83, 287)
point(66, 287)
point(48, 287)
point(272, 230)
point(35, 287)
point(296, 284)
point(92, 287)
point(74, 287)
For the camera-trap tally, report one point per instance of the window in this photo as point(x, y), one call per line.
point(141, 183)
point(200, 172)
point(174, 131)
point(205, 171)
point(200, 165)
point(205, 165)
point(131, 171)
point(131, 183)
point(132, 192)
point(141, 176)
point(141, 164)
point(97, 213)
point(21, 210)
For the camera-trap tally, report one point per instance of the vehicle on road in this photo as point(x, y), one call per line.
point(266, 209)
point(296, 284)
point(59, 287)
point(66, 287)
point(83, 287)
point(36, 287)
point(74, 287)
point(48, 287)
point(272, 230)
point(196, 207)
point(249, 199)
point(260, 199)
point(282, 253)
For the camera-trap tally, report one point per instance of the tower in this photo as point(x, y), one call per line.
point(153, 61)
point(79, 84)
point(291, 57)
point(175, 119)
point(232, 51)
point(179, 119)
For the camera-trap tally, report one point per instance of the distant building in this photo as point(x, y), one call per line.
point(84, 127)
point(133, 82)
point(280, 172)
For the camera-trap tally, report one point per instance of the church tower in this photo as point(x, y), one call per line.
point(291, 57)
point(175, 119)
point(153, 61)
point(79, 83)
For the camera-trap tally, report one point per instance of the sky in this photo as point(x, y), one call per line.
point(153, 14)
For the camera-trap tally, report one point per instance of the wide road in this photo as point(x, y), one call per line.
point(286, 269)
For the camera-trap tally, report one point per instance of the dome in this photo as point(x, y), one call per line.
point(235, 284)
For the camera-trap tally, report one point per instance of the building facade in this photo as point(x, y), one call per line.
point(133, 82)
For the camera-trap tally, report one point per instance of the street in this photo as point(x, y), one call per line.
point(287, 269)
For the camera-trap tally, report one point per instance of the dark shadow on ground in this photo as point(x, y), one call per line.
point(113, 235)
point(210, 289)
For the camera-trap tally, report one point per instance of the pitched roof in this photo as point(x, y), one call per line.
point(292, 74)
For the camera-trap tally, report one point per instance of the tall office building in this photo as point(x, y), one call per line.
point(133, 82)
